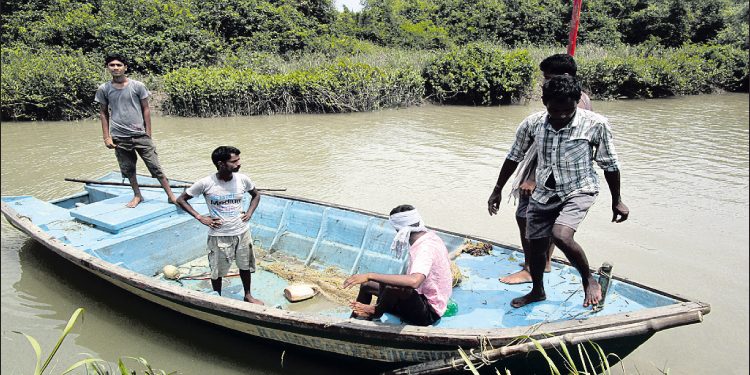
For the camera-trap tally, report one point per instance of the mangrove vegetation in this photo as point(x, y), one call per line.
point(248, 57)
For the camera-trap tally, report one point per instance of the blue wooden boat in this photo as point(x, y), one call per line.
point(129, 248)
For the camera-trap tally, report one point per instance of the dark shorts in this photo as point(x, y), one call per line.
point(415, 310)
point(541, 217)
point(127, 150)
point(523, 205)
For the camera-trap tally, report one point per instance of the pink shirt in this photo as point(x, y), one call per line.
point(429, 257)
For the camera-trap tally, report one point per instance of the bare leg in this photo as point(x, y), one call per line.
point(548, 266)
point(165, 185)
point(364, 298)
point(536, 260)
point(137, 197)
point(245, 276)
point(524, 276)
point(563, 237)
point(216, 285)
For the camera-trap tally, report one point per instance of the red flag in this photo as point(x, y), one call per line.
point(575, 17)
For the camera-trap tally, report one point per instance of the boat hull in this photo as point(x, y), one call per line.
point(425, 349)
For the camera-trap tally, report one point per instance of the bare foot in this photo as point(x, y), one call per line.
point(593, 293)
point(547, 268)
point(527, 299)
point(135, 201)
point(520, 277)
point(251, 299)
point(172, 199)
point(361, 310)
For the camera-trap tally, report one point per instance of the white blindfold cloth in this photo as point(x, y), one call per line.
point(403, 223)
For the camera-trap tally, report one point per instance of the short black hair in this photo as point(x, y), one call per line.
point(559, 64)
point(402, 208)
point(115, 56)
point(223, 153)
point(561, 87)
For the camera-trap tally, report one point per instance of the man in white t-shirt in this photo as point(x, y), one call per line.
point(419, 297)
point(229, 231)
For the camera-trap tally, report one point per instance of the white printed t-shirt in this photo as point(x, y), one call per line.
point(429, 256)
point(225, 201)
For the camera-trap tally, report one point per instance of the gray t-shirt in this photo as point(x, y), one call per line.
point(126, 118)
point(225, 201)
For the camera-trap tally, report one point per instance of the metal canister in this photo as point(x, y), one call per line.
point(605, 277)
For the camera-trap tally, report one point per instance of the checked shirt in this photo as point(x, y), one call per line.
point(567, 154)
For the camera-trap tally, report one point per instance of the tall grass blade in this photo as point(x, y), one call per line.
point(67, 330)
point(468, 361)
point(37, 350)
point(84, 362)
point(123, 369)
point(568, 359)
point(603, 356)
point(586, 352)
point(552, 367)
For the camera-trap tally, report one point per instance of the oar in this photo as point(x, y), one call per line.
point(143, 185)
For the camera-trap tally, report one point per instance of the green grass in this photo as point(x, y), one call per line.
point(89, 365)
point(583, 363)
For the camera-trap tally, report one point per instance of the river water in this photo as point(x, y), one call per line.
point(684, 177)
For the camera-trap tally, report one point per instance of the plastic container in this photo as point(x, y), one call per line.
point(452, 309)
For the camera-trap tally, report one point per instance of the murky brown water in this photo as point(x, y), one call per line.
point(685, 180)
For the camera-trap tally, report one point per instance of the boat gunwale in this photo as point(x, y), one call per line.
point(350, 329)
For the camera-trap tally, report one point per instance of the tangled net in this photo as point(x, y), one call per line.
point(328, 281)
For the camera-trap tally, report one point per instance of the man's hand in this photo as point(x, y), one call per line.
point(526, 188)
point(109, 143)
point(246, 216)
point(493, 204)
point(209, 221)
point(356, 279)
point(621, 210)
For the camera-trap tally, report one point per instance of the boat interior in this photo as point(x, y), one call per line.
point(300, 241)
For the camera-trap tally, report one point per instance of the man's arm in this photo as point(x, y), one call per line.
point(253, 204)
point(493, 204)
point(413, 280)
point(618, 208)
point(104, 119)
point(146, 115)
point(212, 222)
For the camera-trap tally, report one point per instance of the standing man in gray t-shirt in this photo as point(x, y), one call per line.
point(228, 224)
point(126, 125)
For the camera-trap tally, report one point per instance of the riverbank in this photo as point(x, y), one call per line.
point(475, 75)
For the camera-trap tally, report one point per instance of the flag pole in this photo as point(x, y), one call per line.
point(575, 17)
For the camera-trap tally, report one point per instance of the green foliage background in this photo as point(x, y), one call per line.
point(279, 56)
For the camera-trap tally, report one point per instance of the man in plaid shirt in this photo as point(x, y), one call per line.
point(568, 140)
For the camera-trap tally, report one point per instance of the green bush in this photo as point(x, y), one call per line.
point(47, 85)
point(726, 66)
point(479, 75)
point(343, 86)
point(333, 46)
point(666, 72)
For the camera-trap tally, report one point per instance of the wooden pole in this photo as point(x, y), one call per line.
point(114, 183)
point(575, 17)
